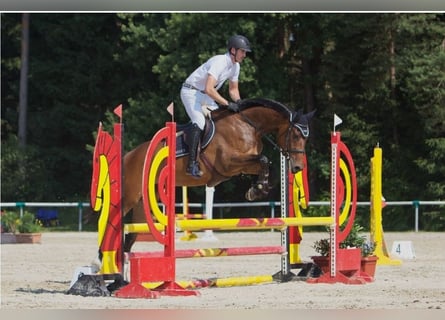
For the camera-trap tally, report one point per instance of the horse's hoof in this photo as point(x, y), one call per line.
point(254, 194)
point(249, 195)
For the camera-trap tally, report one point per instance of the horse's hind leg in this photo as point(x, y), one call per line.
point(136, 215)
point(129, 240)
point(261, 188)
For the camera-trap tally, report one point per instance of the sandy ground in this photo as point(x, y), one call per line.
point(38, 276)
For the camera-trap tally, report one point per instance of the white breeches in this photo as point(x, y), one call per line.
point(197, 105)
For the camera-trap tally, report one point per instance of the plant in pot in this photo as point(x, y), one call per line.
point(16, 229)
point(368, 261)
point(354, 240)
point(322, 247)
point(358, 240)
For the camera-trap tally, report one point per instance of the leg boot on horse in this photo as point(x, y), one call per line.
point(193, 166)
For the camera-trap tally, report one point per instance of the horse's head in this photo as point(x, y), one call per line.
point(293, 141)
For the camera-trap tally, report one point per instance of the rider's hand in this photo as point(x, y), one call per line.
point(232, 106)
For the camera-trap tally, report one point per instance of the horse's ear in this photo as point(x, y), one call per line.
point(299, 116)
point(310, 115)
point(296, 115)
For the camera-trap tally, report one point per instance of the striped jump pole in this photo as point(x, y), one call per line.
point(234, 224)
point(215, 252)
point(221, 282)
point(227, 282)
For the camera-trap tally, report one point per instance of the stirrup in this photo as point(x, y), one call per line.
point(193, 170)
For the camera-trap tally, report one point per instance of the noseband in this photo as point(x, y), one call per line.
point(288, 151)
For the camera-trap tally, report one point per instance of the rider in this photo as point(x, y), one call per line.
point(200, 91)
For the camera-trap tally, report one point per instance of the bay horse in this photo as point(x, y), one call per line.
point(234, 149)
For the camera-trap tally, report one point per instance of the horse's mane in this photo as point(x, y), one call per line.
point(268, 103)
point(300, 120)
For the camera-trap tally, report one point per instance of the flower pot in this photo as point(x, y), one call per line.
point(8, 238)
point(28, 237)
point(367, 267)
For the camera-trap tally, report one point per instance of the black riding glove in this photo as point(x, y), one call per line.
point(232, 106)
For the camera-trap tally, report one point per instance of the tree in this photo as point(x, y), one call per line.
point(381, 73)
point(23, 102)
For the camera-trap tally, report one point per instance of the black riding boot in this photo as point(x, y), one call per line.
point(193, 166)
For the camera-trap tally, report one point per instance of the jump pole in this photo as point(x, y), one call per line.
point(214, 252)
point(222, 282)
point(235, 224)
point(376, 225)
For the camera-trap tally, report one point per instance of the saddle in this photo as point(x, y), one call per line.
point(183, 133)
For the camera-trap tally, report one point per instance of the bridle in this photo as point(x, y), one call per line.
point(289, 150)
point(304, 130)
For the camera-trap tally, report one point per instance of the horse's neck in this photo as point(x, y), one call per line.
point(264, 119)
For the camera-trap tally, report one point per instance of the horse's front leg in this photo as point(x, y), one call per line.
point(261, 188)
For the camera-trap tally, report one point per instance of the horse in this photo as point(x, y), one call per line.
point(234, 149)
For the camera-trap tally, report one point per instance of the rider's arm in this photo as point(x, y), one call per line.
point(212, 92)
point(234, 91)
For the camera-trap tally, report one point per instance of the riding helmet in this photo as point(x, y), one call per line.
point(238, 42)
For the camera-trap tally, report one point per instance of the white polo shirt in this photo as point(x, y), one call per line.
point(220, 67)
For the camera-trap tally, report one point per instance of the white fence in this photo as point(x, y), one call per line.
point(80, 205)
